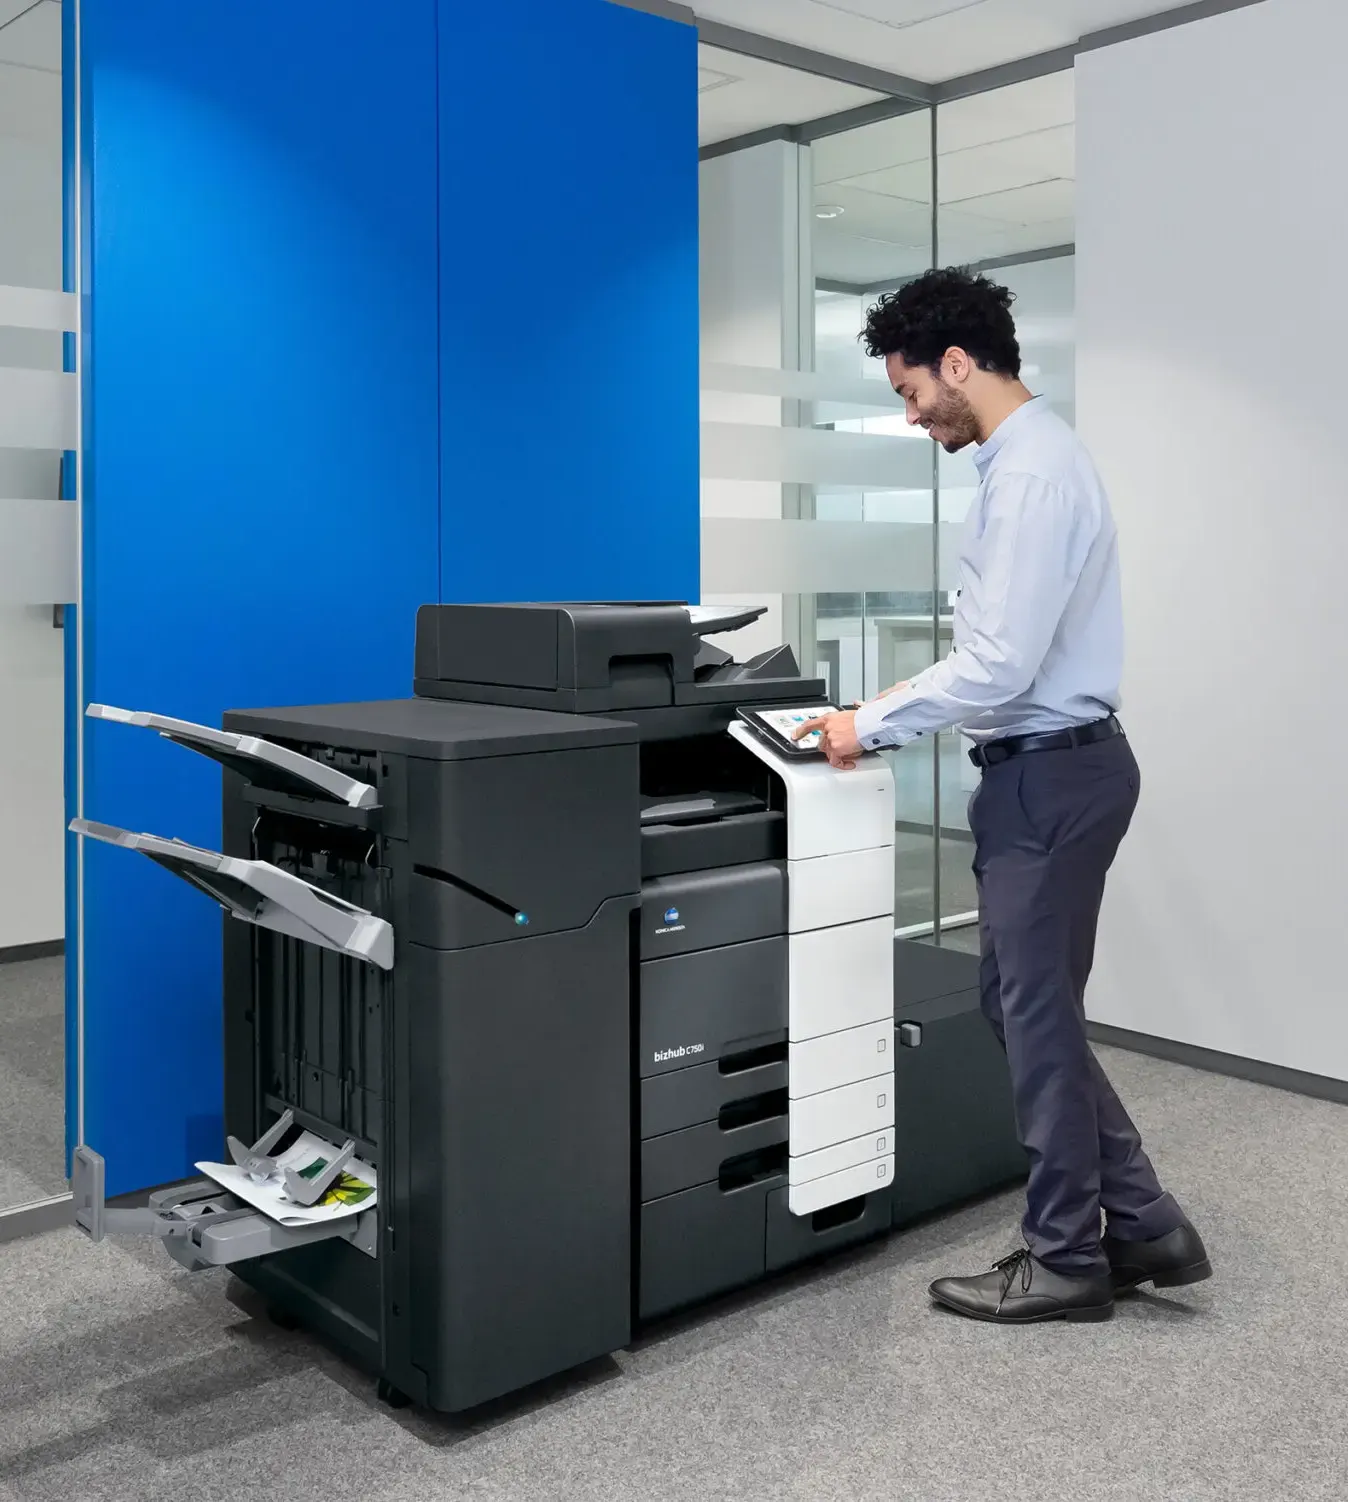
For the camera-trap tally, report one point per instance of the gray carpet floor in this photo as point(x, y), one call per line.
point(123, 1377)
point(32, 1081)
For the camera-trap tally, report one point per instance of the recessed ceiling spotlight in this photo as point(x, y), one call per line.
point(829, 211)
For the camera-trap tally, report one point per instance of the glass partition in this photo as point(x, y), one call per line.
point(38, 430)
point(817, 498)
point(871, 228)
point(1005, 175)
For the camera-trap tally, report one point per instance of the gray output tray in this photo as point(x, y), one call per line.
point(200, 1224)
point(258, 892)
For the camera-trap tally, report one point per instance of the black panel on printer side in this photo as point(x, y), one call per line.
point(520, 1196)
point(490, 1073)
point(476, 880)
point(952, 1094)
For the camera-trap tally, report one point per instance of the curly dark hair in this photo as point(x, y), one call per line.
point(942, 309)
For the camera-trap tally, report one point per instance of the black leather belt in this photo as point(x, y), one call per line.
point(995, 752)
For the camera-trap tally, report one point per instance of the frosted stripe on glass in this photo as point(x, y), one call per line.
point(743, 556)
point(37, 409)
point(799, 385)
point(37, 562)
point(34, 308)
point(813, 456)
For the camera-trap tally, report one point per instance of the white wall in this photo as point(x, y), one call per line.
point(32, 813)
point(1212, 325)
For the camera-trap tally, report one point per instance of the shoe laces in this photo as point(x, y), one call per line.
point(1020, 1264)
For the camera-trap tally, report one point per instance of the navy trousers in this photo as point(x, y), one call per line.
point(1046, 828)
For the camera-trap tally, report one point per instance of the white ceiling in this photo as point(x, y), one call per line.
point(30, 72)
point(737, 95)
point(1006, 158)
point(30, 34)
point(1006, 179)
point(30, 166)
point(930, 40)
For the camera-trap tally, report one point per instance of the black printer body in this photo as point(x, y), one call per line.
point(573, 1079)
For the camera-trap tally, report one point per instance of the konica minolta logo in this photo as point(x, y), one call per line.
point(672, 924)
point(664, 1055)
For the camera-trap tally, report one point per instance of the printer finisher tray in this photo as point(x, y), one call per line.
point(261, 893)
point(266, 765)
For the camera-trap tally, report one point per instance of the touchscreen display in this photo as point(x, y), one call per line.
point(785, 722)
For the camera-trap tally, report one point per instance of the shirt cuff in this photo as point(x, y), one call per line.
point(871, 729)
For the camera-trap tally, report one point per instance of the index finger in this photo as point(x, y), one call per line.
point(810, 725)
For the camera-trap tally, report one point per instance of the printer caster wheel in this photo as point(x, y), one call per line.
point(391, 1396)
point(283, 1319)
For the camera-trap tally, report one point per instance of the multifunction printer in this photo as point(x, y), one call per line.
point(594, 961)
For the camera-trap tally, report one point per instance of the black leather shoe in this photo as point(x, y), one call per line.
point(1020, 1290)
point(1171, 1261)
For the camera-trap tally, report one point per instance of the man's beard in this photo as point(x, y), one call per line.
point(955, 417)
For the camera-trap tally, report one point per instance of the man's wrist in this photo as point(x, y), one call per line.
point(869, 726)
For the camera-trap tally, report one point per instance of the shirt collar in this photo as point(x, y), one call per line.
point(988, 451)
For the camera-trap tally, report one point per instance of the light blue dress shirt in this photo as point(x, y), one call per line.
point(1038, 628)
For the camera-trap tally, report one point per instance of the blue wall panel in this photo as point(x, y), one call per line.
point(385, 305)
point(261, 490)
point(569, 334)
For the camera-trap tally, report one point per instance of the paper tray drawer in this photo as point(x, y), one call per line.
point(859, 1053)
point(699, 1007)
point(681, 1160)
point(841, 977)
point(700, 1243)
point(839, 1115)
point(836, 1188)
point(828, 1162)
point(688, 1097)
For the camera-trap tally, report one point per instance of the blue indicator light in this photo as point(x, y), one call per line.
point(521, 919)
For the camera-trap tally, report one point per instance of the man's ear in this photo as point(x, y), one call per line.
point(956, 365)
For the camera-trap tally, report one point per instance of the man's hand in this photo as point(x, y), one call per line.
point(837, 738)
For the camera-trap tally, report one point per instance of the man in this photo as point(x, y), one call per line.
point(1033, 680)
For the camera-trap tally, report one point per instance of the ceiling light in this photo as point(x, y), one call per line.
point(709, 78)
point(882, 11)
point(829, 211)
